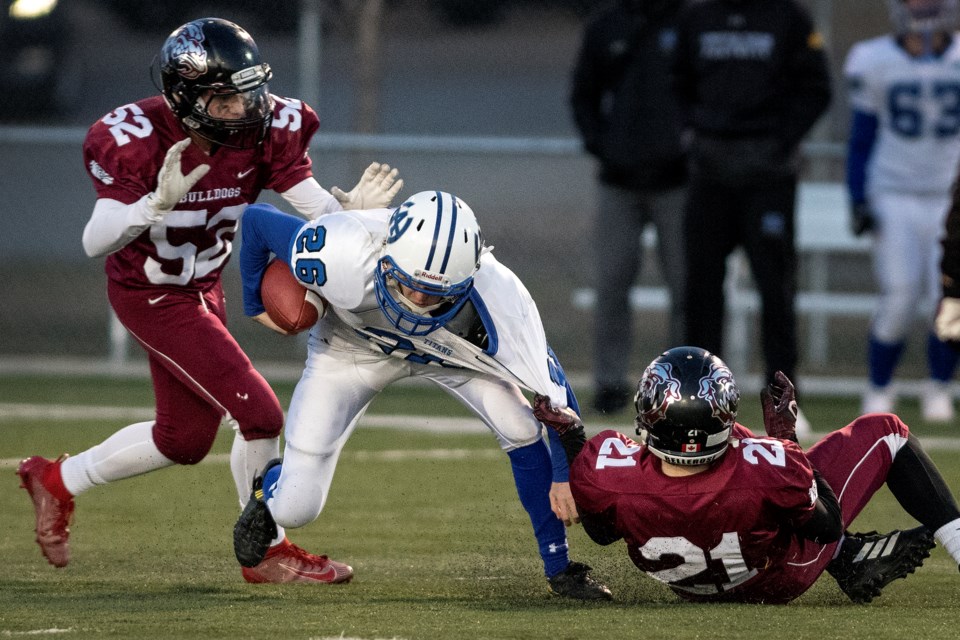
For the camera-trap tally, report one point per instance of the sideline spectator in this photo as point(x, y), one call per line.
point(628, 119)
point(752, 79)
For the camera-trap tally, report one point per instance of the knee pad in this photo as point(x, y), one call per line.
point(187, 443)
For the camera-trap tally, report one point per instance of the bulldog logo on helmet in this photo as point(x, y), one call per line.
point(659, 388)
point(189, 53)
point(720, 391)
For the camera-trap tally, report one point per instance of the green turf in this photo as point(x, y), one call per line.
point(441, 548)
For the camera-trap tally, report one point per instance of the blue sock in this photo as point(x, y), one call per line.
point(883, 358)
point(941, 359)
point(532, 473)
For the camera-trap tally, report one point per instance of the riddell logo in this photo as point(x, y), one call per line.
point(429, 276)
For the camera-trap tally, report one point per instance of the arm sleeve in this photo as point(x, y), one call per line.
point(683, 73)
point(863, 136)
point(310, 199)
point(114, 224)
point(586, 94)
point(559, 453)
point(809, 82)
point(266, 230)
point(599, 526)
point(826, 523)
point(558, 457)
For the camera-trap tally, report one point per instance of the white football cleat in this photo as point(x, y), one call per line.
point(878, 400)
point(936, 403)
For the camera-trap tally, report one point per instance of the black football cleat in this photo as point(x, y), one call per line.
point(870, 561)
point(576, 582)
point(255, 528)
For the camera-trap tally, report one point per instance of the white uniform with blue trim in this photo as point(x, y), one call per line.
point(909, 171)
point(354, 352)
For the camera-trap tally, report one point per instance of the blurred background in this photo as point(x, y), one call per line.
point(469, 96)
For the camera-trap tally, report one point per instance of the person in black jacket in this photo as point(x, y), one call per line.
point(628, 119)
point(752, 79)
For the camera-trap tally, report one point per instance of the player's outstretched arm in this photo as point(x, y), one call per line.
point(114, 224)
point(376, 190)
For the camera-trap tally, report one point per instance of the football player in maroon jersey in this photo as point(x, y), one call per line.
point(173, 173)
point(720, 514)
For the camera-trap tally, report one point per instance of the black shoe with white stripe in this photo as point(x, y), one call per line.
point(576, 582)
point(870, 561)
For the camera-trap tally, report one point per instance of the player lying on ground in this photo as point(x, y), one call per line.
point(412, 292)
point(722, 515)
point(173, 173)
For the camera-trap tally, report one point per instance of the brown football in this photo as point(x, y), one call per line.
point(286, 300)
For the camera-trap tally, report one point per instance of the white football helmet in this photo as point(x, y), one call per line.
point(433, 246)
point(923, 16)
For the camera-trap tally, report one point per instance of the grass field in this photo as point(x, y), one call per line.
point(430, 523)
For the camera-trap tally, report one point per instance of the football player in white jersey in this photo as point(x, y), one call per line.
point(903, 150)
point(411, 292)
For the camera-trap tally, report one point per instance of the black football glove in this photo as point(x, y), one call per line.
point(560, 420)
point(862, 219)
point(779, 402)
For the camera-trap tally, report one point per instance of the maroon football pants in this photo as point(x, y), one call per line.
point(200, 374)
point(855, 462)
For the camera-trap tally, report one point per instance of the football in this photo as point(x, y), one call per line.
point(288, 303)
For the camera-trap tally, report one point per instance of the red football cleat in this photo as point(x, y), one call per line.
point(53, 514)
point(286, 562)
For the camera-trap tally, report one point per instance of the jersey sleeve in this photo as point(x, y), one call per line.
point(521, 343)
point(335, 255)
point(293, 127)
point(121, 156)
point(858, 71)
point(604, 464)
point(266, 231)
point(792, 488)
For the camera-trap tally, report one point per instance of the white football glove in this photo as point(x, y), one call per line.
point(171, 183)
point(377, 187)
point(947, 323)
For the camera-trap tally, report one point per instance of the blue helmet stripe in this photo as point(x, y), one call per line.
point(436, 232)
point(453, 228)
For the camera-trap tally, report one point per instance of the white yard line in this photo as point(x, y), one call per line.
point(430, 424)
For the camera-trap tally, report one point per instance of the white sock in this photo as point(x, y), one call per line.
point(127, 453)
point(247, 459)
point(949, 536)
